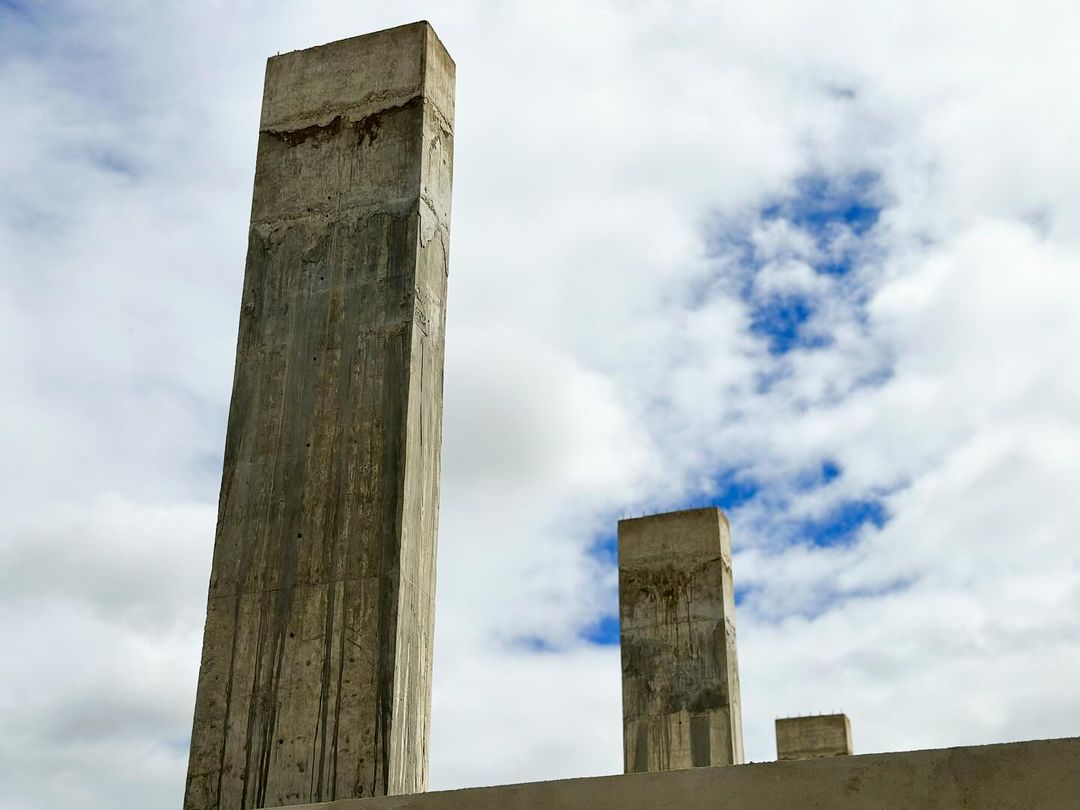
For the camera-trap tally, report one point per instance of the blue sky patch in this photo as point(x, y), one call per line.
point(827, 208)
point(838, 214)
point(843, 523)
point(830, 471)
point(779, 319)
point(605, 631)
point(825, 473)
point(732, 490)
point(606, 549)
point(822, 203)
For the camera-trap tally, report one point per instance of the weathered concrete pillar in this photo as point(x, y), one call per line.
point(826, 735)
point(316, 666)
point(680, 675)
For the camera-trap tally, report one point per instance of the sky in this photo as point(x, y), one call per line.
point(817, 263)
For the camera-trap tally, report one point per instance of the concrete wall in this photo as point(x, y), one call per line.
point(1042, 775)
point(824, 735)
point(316, 667)
point(680, 676)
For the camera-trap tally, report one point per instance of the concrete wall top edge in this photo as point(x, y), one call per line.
point(1034, 774)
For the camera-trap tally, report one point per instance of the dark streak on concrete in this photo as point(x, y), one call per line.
point(367, 128)
point(699, 740)
point(295, 137)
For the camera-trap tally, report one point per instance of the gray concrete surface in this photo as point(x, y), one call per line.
point(316, 668)
point(823, 735)
point(680, 674)
point(1043, 775)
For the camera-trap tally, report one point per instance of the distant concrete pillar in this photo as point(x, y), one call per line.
point(826, 735)
point(315, 681)
point(680, 675)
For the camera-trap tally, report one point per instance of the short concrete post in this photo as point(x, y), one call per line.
point(823, 735)
point(315, 681)
point(680, 674)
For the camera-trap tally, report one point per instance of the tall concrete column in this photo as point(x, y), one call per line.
point(680, 675)
point(315, 681)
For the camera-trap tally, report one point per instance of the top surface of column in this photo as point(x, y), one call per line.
point(691, 531)
point(358, 74)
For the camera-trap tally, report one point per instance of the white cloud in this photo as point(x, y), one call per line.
point(600, 361)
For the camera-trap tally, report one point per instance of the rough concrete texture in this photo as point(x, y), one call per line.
point(680, 675)
point(1041, 775)
point(316, 666)
point(827, 735)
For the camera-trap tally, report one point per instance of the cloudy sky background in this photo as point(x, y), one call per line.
point(815, 262)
